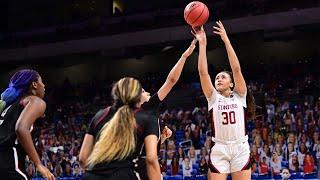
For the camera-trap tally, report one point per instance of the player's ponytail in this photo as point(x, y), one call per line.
point(19, 84)
point(251, 104)
point(117, 139)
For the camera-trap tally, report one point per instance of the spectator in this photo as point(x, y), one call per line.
point(266, 153)
point(68, 170)
point(305, 140)
point(308, 164)
point(270, 142)
point(302, 153)
point(258, 143)
point(208, 143)
point(77, 171)
point(254, 167)
point(285, 174)
point(181, 155)
point(288, 118)
point(186, 167)
point(163, 166)
point(192, 155)
point(315, 141)
point(270, 111)
point(174, 166)
point(264, 167)
point(289, 151)
point(279, 151)
point(254, 153)
point(204, 154)
point(294, 162)
point(292, 139)
point(203, 167)
point(275, 164)
point(58, 173)
point(170, 156)
point(30, 170)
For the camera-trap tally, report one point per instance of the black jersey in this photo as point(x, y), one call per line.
point(152, 107)
point(12, 155)
point(98, 121)
point(147, 125)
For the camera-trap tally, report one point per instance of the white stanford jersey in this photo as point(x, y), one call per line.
point(228, 123)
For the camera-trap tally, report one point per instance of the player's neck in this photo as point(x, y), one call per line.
point(226, 93)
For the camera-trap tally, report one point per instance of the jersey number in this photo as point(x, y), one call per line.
point(229, 117)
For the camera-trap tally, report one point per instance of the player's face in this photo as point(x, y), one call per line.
point(223, 82)
point(39, 88)
point(145, 96)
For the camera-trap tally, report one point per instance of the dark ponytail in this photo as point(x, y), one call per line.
point(19, 84)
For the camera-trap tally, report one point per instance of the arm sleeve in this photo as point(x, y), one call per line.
point(153, 103)
point(93, 130)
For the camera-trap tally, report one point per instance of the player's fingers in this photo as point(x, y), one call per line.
point(217, 28)
point(193, 33)
point(194, 29)
point(222, 27)
point(216, 32)
point(194, 41)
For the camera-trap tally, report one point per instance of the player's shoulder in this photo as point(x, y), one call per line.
point(235, 95)
point(33, 101)
point(100, 116)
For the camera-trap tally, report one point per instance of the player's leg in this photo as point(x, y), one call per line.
point(219, 165)
point(239, 175)
point(240, 164)
point(218, 176)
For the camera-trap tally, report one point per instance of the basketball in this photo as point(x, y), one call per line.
point(196, 13)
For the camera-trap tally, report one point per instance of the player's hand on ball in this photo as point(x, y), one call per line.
point(200, 35)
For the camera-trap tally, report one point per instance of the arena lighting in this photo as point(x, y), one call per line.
point(166, 48)
point(117, 5)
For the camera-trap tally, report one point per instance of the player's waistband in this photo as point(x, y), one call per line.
point(240, 140)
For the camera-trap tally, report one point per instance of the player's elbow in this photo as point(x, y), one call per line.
point(82, 161)
point(20, 129)
point(172, 81)
point(83, 157)
point(236, 70)
point(152, 159)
